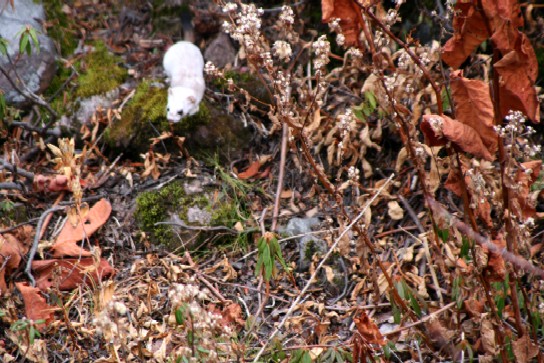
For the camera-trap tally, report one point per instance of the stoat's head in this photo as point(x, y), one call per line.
point(182, 102)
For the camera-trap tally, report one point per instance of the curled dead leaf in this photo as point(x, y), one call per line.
point(65, 245)
point(35, 306)
point(68, 274)
point(440, 129)
point(469, 32)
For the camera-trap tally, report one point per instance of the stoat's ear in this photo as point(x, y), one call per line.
point(170, 91)
point(192, 99)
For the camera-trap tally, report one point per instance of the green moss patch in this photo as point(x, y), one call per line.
point(160, 205)
point(101, 72)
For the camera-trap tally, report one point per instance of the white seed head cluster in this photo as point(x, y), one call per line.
point(515, 135)
point(436, 124)
point(230, 7)
point(390, 82)
point(392, 17)
point(246, 27)
point(404, 60)
point(322, 49)
point(353, 173)
point(345, 121)
point(112, 323)
point(287, 17)
point(204, 325)
point(282, 49)
point(211, 70)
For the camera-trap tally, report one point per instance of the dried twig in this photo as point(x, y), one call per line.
point(34, 248)
point(465, 229)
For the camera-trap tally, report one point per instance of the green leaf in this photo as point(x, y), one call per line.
point(300, 356)
point(371, 99)
point(415, 305)
point(31, 334)
point(268, 263)
point(24, 44)
point(465, 249)
point(358, 112)
point(34, 36)
point(396, 310)
point(180, 318)
point(4, 46)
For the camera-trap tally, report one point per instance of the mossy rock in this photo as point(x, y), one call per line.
point(101, 72)
point(173, 203)
point(144, 117)
point(63, 31)
point(214, 132)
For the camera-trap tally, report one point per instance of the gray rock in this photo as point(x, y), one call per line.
point(220, 52)
point(35, 71)
point(200, 216)
point(300, 225)
point(88, 106)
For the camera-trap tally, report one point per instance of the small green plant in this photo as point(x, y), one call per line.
point(27, 35)
point(301, 356)
point(28, 327)
point(269, 252)
point(367, 107)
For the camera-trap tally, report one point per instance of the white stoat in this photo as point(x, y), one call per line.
point(184, 65)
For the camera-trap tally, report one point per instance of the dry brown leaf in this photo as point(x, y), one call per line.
point(516, 88)
point(496, 267)
point(228, 271)
point(368, 329)
point(232, 313)
point(349, 15)
point(524, 349)
point(68, 274)
point(65, 245)
point(524, 181)
point(488, 336)
point(35, 306)
point(13, 246)
point(474, 108)
point(439, 129)
point(469, 32)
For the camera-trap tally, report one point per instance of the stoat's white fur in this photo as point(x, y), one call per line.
point(184, 66)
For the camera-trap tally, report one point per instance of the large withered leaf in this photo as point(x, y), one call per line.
point(469, 32)
point(65, 245)
point(473, 107)
point(516, 90)
point(440, 129)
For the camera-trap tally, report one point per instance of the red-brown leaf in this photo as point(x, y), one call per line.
point(35, 306)
point(368, 329)
point(463, 137)
point(70, 273)
point(474, 108)
point(65, 245)
point(349, 15)
point(251, 171)
point(516, 83)
point(469, 32)
point(13, 246)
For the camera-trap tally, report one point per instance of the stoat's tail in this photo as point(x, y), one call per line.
point(187, 24)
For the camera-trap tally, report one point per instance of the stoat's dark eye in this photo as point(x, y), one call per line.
point(167, 109)
point(180, 112)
